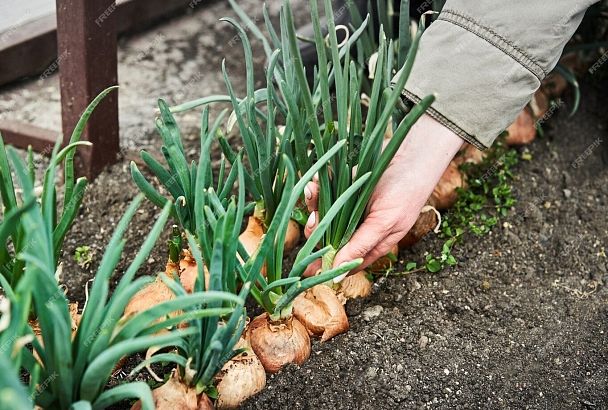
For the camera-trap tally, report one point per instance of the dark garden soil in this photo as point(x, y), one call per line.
point(520, 322)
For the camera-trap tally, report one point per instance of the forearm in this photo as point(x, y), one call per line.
point(485, 60)
point(420, 162)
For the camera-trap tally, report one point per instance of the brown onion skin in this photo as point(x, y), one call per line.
point(240, 378)
point(189, 272)
point(539, 104)
point(280, 343)
point(385, 262)
point(174, 395)
point(471, 154)
point(523, 130)
point(204, 403)
point(252, 235)
point(426, 222)
point(292, 237)
point(251, 238)
point(356, 286)
point(35, 325)
point(554, 84)
point(157, 292)
point(444, 195)
point(151, 295)
point(321, 312)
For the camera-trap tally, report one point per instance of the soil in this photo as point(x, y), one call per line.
point(520, 322)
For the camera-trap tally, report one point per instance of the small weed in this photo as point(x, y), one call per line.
point(488, 197)
point(83, 256)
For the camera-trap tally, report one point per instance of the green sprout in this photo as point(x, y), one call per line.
point(83, 256)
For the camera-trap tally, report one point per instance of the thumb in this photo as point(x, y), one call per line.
point(364, 240)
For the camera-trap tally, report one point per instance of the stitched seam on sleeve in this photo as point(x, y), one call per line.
point(498, 41)
point(445, 122)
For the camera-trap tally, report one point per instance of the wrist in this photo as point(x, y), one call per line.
point(426, 152)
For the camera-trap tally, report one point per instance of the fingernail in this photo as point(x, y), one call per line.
point(307, 193)
point(340, 278)
point(311, 220)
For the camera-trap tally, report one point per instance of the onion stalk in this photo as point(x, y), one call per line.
point(59, 223)
point(186, 183)
point(202, 354)
point(276, 336)
point(75, 367)
point(209, 357)
point(264, 140)
point(362, 152)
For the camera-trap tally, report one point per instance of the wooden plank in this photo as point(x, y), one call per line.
point(28, 49)
point(86, 39)
point(22, 135)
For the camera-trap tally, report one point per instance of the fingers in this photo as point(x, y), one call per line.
point(382, 249)
point(312, 269)
point(311, 196)
point(366, 239)
point(311, 224)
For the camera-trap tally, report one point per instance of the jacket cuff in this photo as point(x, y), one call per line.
point(437, 116)
point(481, 80)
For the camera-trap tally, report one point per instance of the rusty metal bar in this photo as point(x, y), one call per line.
point(84, 48)
point(33, 46)
point(86, 38)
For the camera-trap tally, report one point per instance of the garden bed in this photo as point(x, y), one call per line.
point(520, 321)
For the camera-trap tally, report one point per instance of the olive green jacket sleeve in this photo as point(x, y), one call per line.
point(485, 59)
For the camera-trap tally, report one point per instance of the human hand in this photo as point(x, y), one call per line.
point(399, 196)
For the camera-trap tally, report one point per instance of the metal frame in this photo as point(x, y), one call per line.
point(85, 40)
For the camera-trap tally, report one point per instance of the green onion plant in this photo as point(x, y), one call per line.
point(362, 153)
point(200, 355)
point(59, 221)
point(71, 370)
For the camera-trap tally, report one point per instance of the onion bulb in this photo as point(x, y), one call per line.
point(471, 154)
point(157, 292)
point(252, 236)
point(292, 237)
point(428, 220)
point(523, 130)
point(321, 312)
point(356, 286)
point(385, 262)
point(205, 403)
point(444, 195)
point(74, 316)
point(188, 272)
point(35, 326)
point(241, 378)
point(151, 295)
point(554, 85)
point(176, 395)
point(539, 104)
point(278, 343)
